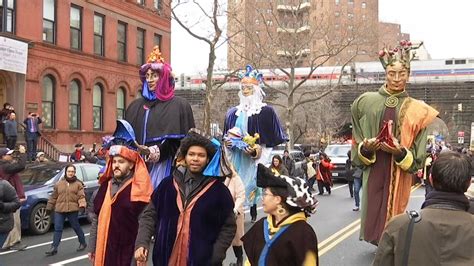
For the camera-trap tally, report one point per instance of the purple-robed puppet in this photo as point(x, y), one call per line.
point(160, 119)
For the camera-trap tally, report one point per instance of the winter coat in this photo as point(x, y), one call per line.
point(441, 237)
point(237, 190)
point(67, 196)
point(9, 203)
point(289, 163)
point(349, 171)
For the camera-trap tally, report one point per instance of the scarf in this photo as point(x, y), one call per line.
point(446, 200)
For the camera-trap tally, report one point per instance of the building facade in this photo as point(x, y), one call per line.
point(83, 61)
point(329, 25)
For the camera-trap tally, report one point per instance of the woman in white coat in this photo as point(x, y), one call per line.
point(237, 190)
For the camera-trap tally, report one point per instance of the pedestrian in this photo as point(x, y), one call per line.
point(4, 113)
point(41, 157)
point(32, 122)
point(9, 203)
point(252, 116)
point(284, 237)
point(78, 154)
point(349, 172)
point(124, 191)
point(277, 166)
point(289, 163)
point(11, 131)
point(442, 233)
point(357, 179)
point(67, 200)
point(389, 132)
point(323, 174)
point(167, 117)
point(309, 170)
point(191, 213)
point(9, 169)
point(237, 190)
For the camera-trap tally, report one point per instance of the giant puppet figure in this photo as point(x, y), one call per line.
point(159, 118)
point(251, 130)
point(389, 132)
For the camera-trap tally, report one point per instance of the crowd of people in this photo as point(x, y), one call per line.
point(175, 196)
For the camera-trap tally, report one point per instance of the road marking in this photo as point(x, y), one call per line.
point(344, 233)
point(41, 244)
point(338, 233)
point(69, 260)
point(339, 187)
point(337, 241)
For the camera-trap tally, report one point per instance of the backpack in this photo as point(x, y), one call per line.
point(310, 171)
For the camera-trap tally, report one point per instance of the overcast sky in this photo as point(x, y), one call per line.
point(446, 27)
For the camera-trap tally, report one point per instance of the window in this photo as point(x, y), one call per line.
point(157, 40)
point(364, 5)
point(75, 26)
point(337, 13)
point(337, 2)
point(140, 46)
point(460, 61)
point(91, 172)
point(350, 2)
point(157, 4)
point(99, 34)
point(122, 41)
point(47, 104)
point(49, 18)
point(350, 15)
point(97, 106)
point(7, 16)
point(75, 105)
point(141, 2)
point(120, 103)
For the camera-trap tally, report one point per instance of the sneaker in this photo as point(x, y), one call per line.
point(81, 247)
point(19, 246)
point(253, 220)
point(356, 209)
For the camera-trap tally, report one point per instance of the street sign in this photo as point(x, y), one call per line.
point(460, 140)
point(460, 133)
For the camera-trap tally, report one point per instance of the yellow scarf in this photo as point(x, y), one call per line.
point(299, 216)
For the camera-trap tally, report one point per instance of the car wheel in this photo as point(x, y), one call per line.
point(40, 220)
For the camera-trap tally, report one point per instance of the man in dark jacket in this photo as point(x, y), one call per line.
point(443, 232)
point(9, 169)
point(191, 214)
point(289, 163)
point(32, 133)
point(9, 203)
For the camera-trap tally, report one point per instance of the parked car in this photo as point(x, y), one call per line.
point(297, 155)
point(39, 180)
point(338, 155)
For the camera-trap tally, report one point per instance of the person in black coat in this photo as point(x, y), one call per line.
point(9, 203)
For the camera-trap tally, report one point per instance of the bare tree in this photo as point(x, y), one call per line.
point(205, 21)
point(285, 36)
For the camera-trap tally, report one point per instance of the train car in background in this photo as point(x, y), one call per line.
point(439, 70)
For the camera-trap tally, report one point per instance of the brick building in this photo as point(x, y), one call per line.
point(83, 61)
point(333, 21)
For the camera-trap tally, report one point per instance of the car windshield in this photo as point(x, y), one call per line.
point(337, 150)
point(41, 176)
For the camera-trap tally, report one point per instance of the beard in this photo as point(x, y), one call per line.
point(119, 174)
point(251, 104)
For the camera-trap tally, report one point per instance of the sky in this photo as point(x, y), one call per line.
point(444, 26)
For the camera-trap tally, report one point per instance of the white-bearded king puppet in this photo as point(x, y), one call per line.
point(251, 130)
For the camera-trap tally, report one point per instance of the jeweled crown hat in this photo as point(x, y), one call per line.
point(251, 75)
point(401, 53)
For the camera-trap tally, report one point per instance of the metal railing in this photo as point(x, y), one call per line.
point(49, 148)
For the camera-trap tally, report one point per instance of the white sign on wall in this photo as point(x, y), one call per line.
point(472, 136)
point(13, 55)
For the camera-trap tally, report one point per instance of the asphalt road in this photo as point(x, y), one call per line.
point(336, 226)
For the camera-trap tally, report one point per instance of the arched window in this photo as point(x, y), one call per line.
point(75, 105)
point(121, 103)
point(97, 106)
point(47, 104)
